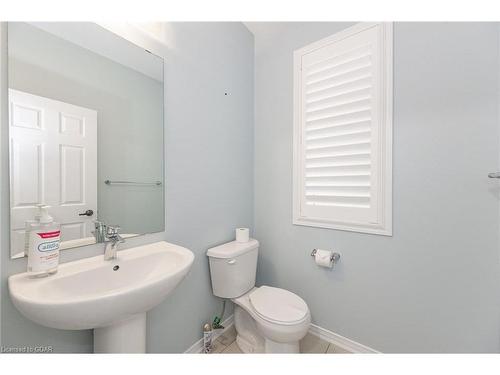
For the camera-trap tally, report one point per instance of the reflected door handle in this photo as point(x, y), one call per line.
point(87, 213)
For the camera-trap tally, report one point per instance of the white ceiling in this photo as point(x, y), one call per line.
point(263, 29)
point(99, 40)
point(268, 34)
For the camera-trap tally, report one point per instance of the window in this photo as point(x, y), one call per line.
point(343, 131)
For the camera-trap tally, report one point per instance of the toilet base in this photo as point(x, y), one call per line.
point(250, 339)
point(246, 346)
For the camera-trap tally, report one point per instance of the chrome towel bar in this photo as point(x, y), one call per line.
point(109, 182)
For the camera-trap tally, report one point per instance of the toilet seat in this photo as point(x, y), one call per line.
point(278, 306)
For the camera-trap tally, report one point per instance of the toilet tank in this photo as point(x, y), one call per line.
point(232, 268)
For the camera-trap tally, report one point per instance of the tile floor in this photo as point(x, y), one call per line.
point(226, 344)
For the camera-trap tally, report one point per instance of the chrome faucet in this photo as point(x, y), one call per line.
point(99, 232)
point(112, 241)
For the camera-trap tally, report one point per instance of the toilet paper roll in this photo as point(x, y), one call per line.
point(242, 234)
point(323, 258)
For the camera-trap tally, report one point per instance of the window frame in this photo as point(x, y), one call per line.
point(383, 224)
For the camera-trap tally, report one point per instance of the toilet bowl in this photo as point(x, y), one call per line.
point(267, 319)
point(270, 320)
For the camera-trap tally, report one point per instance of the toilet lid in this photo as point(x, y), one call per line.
point(278, 305)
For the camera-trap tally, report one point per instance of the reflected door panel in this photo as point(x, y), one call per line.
point(54, 162)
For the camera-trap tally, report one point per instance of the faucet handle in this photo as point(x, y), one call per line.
point(111, 231)
point(112, 234)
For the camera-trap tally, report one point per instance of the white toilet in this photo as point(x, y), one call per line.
point(267, 320)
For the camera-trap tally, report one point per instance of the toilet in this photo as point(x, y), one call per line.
point(267, 319)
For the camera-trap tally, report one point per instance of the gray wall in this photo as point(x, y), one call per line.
point(434, 286)
point(209, 171)
point(209, 182)
point(129, 109)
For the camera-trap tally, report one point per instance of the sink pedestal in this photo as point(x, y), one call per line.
point(128, 336)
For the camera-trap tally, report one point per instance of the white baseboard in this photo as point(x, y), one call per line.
point(341, 341)
point(324, 334)
point(197, 347)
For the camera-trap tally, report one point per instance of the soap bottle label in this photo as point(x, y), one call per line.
point(45, 246)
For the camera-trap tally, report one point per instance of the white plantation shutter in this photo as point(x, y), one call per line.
point(343, 131)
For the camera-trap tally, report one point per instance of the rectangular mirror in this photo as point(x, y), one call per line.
point(86, 132)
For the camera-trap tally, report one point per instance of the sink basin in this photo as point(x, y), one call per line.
point(110, 297)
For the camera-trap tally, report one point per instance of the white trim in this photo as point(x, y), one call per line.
point(348, 345)
point(383, 226)
point(197, 347)
point(347, 32)
point(324, 334)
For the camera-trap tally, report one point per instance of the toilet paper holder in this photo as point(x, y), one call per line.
point(333, 258)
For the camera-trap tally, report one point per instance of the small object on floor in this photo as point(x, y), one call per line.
point(216, 323)
point(207, 338)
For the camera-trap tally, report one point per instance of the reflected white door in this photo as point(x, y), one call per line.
point(53, 157)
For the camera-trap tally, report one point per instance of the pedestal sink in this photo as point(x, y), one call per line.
point(111, 297)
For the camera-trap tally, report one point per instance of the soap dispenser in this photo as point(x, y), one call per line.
point(43, 244)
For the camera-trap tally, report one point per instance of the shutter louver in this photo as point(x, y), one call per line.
point(337, 125)
point(341, 161)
